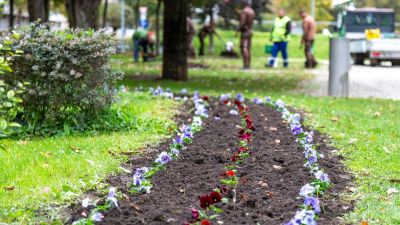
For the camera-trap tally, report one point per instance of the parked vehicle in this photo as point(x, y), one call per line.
point(372, 35)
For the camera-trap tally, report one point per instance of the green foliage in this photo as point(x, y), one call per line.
point(9, 95)
point(46, 172)
point(69, 74)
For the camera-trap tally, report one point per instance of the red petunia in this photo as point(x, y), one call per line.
point(226, 102)
point(230, 173)
point(205, 201)
point(205, 222)
point(205, 98)
point(215, 196)
point(241, 131)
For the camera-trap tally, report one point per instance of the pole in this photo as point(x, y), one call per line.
point(312, 8)
point(339, 66)
point(122, 25)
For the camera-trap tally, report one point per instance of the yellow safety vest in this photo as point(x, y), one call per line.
point(278, 34)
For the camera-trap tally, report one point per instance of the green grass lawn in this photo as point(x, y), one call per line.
point(57, 170)
point(366, 131)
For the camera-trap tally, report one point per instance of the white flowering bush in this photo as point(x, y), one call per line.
point(69, 74)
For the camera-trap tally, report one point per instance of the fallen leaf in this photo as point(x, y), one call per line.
point(9, 188)
point(273, 129)
point(269, 194)
point(75, 149)
point(335, 118)
point(364, 222)
point(84, 214)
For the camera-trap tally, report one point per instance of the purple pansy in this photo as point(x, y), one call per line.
point(163, 158)
point(97, 217)
point(112, 197)
point(313, 203)
point(240, 97)
point(296, 129)
point(279, 104)
point(320, 175)
point(225, 97)
point(268, 99)
point(258, 101)
point(307, 190)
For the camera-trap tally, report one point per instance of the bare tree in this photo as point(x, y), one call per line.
point(175, 65)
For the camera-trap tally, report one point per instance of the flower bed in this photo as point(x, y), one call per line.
point(234, 186)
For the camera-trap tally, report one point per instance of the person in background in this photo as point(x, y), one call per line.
point(138, 37)
point(191, 31)
point(143, 40)
point(280, 36)
point(309, 32)
point(247, 16)
point(206, 30)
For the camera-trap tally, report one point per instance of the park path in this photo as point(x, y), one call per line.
point(365, 82)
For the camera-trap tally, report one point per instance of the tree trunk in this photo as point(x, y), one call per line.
point(82, 13)
point(211, 44)
point(105, 14)
point(39, 9)
point(175, 65)
point(137, 13)
point(158, 26)
point(11, 14)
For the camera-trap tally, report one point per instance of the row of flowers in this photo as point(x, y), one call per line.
point(141, 179)
point(310, 192)
point(228, 178)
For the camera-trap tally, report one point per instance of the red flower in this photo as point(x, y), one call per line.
point(195, 214)
point(245, 137)
point(243, 149)
point(230, 173)
point(237, 103)
point(234, 157)
point(226, 102)
point(215, 196)
point(241, 131)
point(205, 222)
point(224, 190)
point(205, 201)
point(205, 98)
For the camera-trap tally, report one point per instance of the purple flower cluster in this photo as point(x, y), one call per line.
point(240, 97)
point(311, 206)
point(184, 136)
point(160, 92)
point(258, 101)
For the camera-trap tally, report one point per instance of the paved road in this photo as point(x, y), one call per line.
point(365, 82)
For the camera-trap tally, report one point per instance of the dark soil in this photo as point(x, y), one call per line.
point(270, 179)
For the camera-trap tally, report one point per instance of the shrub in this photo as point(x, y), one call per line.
point(9, 100)
point(69, 74)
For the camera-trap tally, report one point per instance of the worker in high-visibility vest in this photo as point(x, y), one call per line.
point(280, 36)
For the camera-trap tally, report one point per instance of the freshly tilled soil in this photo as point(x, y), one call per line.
point(269, 183)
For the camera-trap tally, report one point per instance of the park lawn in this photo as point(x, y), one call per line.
point(57, 170)
point(367, 131)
